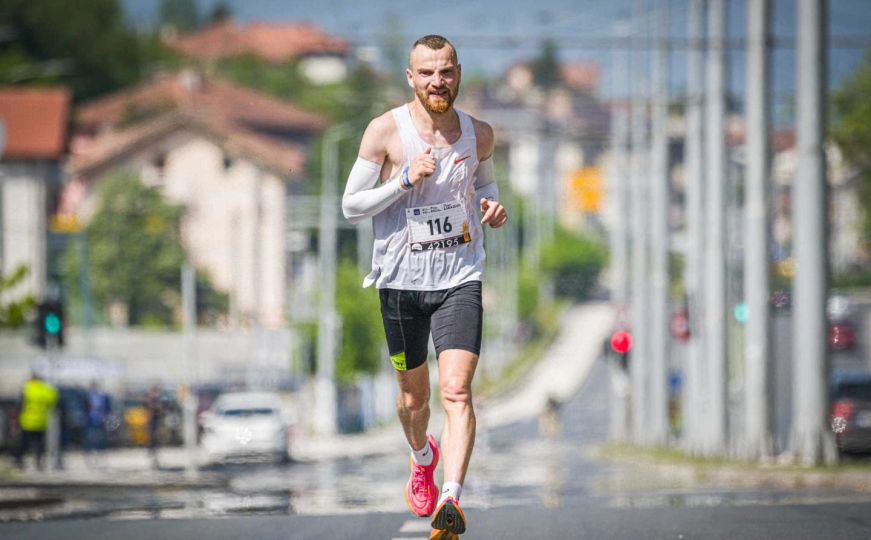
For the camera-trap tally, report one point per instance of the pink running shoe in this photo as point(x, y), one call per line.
point(421, 493)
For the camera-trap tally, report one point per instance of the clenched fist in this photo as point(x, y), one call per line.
point(421, 167)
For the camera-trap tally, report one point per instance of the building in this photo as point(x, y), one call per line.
point(321, 58)
point(34, 121)
point(230, 155)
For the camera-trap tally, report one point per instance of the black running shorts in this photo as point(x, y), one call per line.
point(455, 316)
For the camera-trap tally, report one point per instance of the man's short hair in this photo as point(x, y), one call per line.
point(434, 42)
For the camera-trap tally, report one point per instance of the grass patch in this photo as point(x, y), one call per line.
point(675, 456)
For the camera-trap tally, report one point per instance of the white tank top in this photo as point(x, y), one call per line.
point(431, 238)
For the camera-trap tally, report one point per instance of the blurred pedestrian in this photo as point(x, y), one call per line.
point(549, 421)
point(423, 173)
point(154, 405)
point(98, 412)
point(38, 401)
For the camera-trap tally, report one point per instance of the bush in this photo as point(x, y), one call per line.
point(573, 262)
point(362, 330)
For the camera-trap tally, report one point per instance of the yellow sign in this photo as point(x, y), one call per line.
point(65, 224)
point(586, 189)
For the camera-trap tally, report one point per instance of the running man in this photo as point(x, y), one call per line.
point(422, 171)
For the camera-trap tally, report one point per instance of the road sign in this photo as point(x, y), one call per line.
point(586, 188)
point(621, 342)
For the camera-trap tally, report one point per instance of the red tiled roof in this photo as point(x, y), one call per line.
point(276, 43)
point(35, 120)
point(286, 159)
point(240, 120)
point(191, 93)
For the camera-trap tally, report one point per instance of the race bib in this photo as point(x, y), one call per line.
point(437, 226)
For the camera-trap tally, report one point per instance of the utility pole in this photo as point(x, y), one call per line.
point(659, 191)
point(812, 441)
point(189, 406)
point(328, 319)
point(257, 351)
point(696, 376)
point(619, 429)
point(757, 440)
point(640, 320)
point(715, 245)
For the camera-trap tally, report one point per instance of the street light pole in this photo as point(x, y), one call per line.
point(325, 412)
point(640, 358)
point(715, 245)
point(693, 402)
point(189, 406)
point(659, 187)
point(812, 440)
point(619, 428)
point(757, 441)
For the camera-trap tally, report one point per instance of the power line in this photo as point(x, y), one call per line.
point(857, 41)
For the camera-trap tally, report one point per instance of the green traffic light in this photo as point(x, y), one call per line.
point(52, 324)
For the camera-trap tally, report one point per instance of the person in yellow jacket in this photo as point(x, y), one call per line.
point(38, 401)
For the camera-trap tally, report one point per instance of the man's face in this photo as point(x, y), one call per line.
point(434, 76)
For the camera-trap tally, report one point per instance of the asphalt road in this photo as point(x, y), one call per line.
point(523, 484)
point(802, 522)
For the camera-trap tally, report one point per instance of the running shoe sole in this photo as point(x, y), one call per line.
point(437, 534)
point(449, 517)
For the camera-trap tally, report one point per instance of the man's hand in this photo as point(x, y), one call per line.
point(494, 213)
point(421, 167)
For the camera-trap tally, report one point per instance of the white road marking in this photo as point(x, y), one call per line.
point(415, 525)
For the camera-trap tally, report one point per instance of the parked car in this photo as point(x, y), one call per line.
point(842, 335)
point(246, 425)
point(851, 412)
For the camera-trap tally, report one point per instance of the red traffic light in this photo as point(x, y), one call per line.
point(621, 342)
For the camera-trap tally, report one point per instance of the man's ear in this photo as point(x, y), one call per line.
point(409, 78)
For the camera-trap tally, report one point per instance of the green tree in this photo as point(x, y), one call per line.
point(546, 68)
point(573, 262)
point(13, 313)
point(179, 14)
point(86, 45)
point(220, 13)
point(362, 330)
point(135, 252)
point(851, 130)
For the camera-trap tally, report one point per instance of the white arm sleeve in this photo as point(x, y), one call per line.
point(362, 199)
point(485, 181)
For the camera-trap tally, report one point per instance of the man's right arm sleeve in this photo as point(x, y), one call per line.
point(362, 199)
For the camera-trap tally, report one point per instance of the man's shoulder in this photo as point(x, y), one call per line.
point(484, 135)
point(383, 124)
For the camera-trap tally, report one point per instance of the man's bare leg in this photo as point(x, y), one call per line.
point(412, 406)
point(456, 369)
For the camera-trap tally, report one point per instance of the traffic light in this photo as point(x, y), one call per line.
point(49, 325)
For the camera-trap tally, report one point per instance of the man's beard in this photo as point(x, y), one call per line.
point(439, 105)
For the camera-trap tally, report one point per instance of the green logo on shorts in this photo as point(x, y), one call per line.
point(398, 361)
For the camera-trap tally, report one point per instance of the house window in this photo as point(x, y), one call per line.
point(153, 172)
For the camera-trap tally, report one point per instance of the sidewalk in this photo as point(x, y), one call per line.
point(559, 373)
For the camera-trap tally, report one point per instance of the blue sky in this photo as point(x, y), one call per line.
point(469, 23)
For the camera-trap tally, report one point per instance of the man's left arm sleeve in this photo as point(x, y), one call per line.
point(485, 181)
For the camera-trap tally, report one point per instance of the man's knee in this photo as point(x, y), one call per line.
point(456, 390)
point(413, 402)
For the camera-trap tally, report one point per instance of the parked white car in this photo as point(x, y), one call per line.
point(246, 425)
